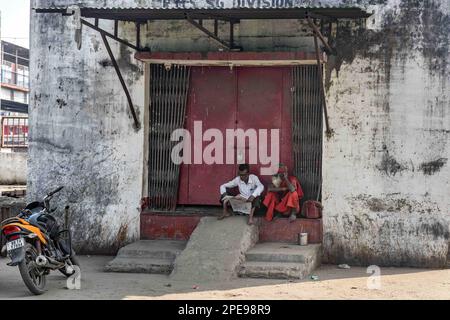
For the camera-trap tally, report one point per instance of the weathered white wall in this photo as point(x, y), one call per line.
point(386, 170)
point(81, 133)
point(13, 168)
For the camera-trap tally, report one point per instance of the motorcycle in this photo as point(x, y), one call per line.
point(37, 245)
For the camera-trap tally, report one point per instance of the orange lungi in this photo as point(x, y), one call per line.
point(290, 201)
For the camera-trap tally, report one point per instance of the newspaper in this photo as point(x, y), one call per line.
point(239, 204)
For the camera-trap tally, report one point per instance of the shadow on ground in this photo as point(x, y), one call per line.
point(333, 283)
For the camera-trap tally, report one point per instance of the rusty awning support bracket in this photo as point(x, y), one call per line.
point(114, 36)
point(328, 130)
point(76, 12)
point(110, 35)
point(317, 32)
point(137, 124)
point(208, 33)
point(214, 35)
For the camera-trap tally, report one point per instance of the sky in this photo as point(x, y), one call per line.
point(15, 15)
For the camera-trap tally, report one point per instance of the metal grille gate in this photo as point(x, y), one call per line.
point(307, 126)
point(169, 92)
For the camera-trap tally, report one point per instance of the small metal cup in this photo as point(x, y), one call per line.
point(302, 239)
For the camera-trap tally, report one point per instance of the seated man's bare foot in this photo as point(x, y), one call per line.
point(224, 215)
point(250, 222)
point(292, 218)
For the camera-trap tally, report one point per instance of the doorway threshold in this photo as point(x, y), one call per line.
point(187, 210)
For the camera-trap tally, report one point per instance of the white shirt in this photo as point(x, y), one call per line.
point(254, 187)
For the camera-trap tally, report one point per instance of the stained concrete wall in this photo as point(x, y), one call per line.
point(81, 133)
point(13, 168)
point(272, 35)
point(386, 171)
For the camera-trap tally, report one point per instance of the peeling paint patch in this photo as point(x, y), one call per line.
point(61, 103)
point(430, 168)
point(391, 203)
point(37, 97)
point(436, 229)
point(46, 144)
point(105, 63)
point(377, 205)
point(124, 61)
point(95, 44)
point(397, 39)
point(390, 166)
point(423, 240)
point(122, 235)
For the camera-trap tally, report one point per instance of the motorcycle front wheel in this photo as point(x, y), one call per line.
point(32, 275)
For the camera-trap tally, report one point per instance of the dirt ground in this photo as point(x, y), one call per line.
point(333, 283)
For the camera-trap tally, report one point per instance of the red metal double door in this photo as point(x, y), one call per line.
point(239, 98)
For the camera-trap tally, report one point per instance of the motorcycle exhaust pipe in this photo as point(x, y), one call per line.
point(47, 262)
point(55, 264)
point(42, 261)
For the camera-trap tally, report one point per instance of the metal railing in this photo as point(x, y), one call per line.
point(15, 78)
point(14, 132)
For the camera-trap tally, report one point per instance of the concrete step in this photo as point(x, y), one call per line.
point(282, 252)
point(274, 270)
point(147, 256)
point(280, 261)
point(140, 265)
point(158, 249)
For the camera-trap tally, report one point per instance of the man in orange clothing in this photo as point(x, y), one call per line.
point(283, 195)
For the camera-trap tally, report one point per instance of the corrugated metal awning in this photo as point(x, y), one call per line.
point(238, 14)
point(134, 10)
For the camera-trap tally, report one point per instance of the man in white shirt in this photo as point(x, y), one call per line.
point(250, 189)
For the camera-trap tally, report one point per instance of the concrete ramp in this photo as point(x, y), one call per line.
point(215, 250)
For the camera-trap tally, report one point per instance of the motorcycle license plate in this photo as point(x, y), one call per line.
point(16, 244)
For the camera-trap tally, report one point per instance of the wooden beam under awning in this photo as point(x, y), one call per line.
point(230, 59)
